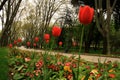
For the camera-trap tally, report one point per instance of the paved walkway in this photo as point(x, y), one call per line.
point(85, 57)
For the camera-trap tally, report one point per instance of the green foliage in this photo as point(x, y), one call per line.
point(3, 64)
point(115, 41)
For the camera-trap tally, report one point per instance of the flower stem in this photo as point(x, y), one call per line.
point(81, 41)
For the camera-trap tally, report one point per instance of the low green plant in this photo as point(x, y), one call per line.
point(28, 65)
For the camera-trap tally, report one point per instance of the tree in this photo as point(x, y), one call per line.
point(103, 24)
point(10, 9)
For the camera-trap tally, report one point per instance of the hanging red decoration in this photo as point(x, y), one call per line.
point(56, 31)
point(46, 36)
point(86, 14)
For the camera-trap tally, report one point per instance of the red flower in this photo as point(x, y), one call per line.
point(15, 42)
point(68, 64)
point(87, 67)
point(74, 43)
point(69, 77)
point(39, 64)
point(60, 43)
point(56, 31)
point(86, 14)
point(47, 41)
point(74, 65)
point(36, 39)
point(112, 75)
point(98, 75)
point(46, 36)
point(10, 45)
point(28, 43)
point(19, 40)
point(27, 59)
point(34, 44)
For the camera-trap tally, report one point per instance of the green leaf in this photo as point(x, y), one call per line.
point(74, 75)
point(17, 76)
point(87, 76)
point(20, 67)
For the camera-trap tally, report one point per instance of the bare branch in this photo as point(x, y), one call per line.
point(2, 4)
point(113, 4)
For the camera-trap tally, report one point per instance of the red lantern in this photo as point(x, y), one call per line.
point(19, 40)
point(28, 43)
point(86, 14)
point(46, 36)
point(36, 39)
point(56, 31)
point(15, 42)
point(60, 43)
point(10, 45)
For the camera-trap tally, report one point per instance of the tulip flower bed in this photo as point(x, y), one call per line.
point(26, 65)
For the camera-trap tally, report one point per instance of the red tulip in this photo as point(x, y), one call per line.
point(19, 40)
point(36, 39)
point(46, 36)
point(34, 44)
point(60, 43)
point(47, 41)
point(56, 31)
point(10, 45)
point(74, 44)
point(28, 43)
point(15, 42)
point(86, 14)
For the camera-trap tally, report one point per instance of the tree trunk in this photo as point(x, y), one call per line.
point(108, 44)
point(4, 39)
point(104, 45)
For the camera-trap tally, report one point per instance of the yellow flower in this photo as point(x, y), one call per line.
point(18, 57)
point(111, 70)
point(84, 78)
point(67, 68)
point(95, 72)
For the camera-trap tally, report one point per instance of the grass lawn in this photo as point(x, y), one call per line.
point(3, 64)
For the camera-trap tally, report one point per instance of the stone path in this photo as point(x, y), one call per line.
point(85, 57)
